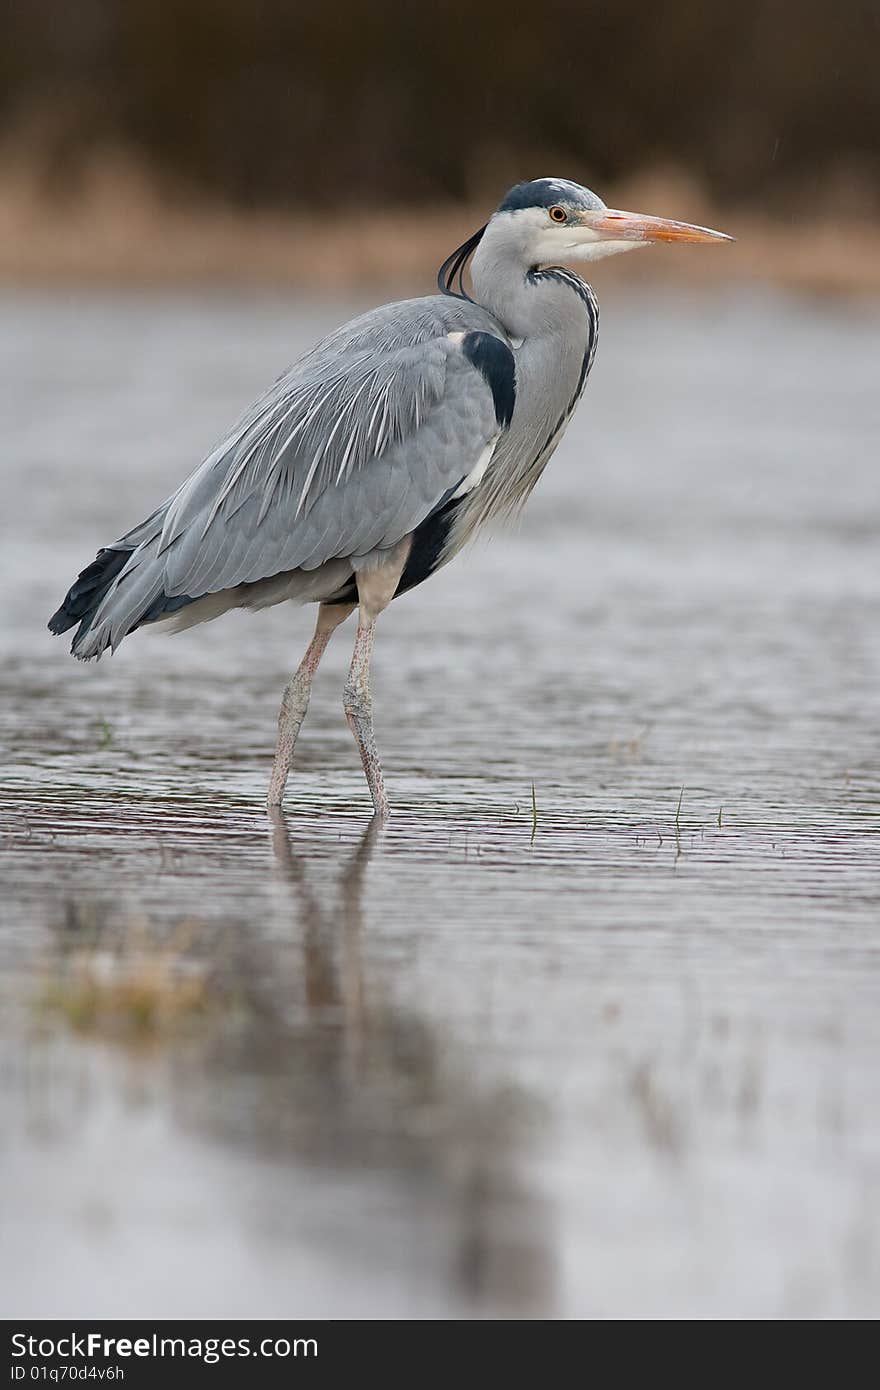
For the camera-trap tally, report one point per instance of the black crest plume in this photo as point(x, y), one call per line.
point(453, 267)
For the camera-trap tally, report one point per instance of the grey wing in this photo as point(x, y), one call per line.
point(347, 453)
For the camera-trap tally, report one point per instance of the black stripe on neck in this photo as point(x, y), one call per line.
point(585, 294)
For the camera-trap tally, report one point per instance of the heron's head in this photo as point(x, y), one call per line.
point(554, 220)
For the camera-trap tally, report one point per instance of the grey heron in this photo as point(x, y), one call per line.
point(379, 453)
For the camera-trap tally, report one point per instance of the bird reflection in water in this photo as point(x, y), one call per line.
point(375, 1142)
point(378, 1089)
point(332, 977)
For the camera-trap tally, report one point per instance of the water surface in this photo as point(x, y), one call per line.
point(610, 1055)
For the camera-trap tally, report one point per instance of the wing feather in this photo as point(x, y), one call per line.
point(348, 452)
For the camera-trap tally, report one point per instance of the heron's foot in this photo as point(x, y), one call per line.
point(294, 704)
point(358, 712)
point(280, 773)
point(278, 780)
point(363, 733)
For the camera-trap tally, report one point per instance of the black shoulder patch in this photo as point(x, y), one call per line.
point(495, 360)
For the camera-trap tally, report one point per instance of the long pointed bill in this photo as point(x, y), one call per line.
point(635, 226)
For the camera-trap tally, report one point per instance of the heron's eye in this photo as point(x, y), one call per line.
point(558, 214)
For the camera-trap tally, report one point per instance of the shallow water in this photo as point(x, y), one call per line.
point(613, 1055)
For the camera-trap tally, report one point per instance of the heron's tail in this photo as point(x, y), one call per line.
point(121, 589)
point(83, 598)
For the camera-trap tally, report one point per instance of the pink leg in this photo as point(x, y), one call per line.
point(358, 704)
point(295, 700)
point(377, 583)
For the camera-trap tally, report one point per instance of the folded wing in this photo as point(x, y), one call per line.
point(347, 453)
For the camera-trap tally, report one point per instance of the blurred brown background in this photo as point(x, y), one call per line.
point(168, 139)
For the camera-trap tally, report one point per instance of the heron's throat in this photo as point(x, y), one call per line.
point(527, 299)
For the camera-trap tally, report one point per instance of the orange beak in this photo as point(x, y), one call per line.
point(636, 226)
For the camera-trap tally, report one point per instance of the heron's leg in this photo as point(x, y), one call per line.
point(295, 700)
point(358, 703)
point(377, 585)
